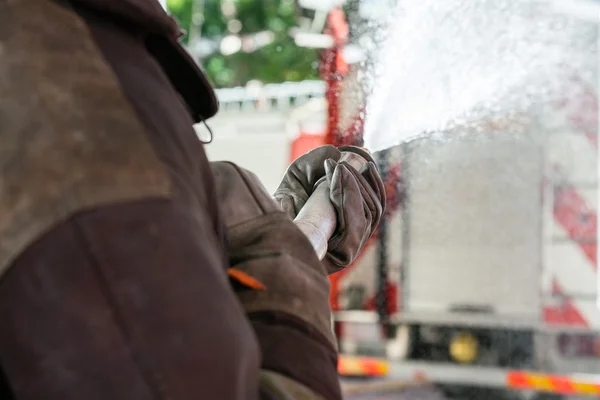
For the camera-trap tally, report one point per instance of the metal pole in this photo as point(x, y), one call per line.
point(381, 296)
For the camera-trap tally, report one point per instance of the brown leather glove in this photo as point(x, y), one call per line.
point(358, 197)
point(277, 278)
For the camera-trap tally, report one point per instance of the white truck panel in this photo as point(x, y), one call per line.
point(364, 270)
point(573, 155)
point(474, 224)
point(569, 266)
point(259, 144)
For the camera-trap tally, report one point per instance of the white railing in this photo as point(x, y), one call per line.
point(270, 97)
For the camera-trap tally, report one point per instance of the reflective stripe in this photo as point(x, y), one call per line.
point(553, 383)
point(363, 366)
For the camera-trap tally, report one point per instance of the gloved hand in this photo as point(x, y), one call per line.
point(358, 197)
point(280, 282)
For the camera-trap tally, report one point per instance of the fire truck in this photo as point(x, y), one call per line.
point(484, 270)
point(490, 262)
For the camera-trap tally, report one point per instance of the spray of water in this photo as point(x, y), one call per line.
point(454, 61)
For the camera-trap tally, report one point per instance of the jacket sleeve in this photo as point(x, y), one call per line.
point(297, 362)
point(290, 314)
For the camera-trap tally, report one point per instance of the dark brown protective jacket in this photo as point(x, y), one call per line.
point(130, 299)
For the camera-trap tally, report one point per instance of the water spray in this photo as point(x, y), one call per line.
point(464, 67)
point(458, 62)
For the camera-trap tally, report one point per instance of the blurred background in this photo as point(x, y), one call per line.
point(242, 41)
point(481, 281)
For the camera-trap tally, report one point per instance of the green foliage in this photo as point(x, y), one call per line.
point(277, 62)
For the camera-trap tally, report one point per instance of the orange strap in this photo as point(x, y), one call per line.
point(245, 279)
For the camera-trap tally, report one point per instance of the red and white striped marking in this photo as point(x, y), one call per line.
point(572, 263)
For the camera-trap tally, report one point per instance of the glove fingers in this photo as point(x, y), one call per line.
point(372, 178)
point(371, 188)
point(330, 167)
point(315, 169)
point(301, 176)
point(310, 167)
point(335, 181)
point(344, 191)
point(353, 222)
point(289, 205)
point(371, 175)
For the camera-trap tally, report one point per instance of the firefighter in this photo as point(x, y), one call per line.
point(120, 244)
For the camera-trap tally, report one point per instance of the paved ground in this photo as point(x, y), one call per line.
point(431, 393)
point(374, 390)
point(389, 390)
point(425, 393)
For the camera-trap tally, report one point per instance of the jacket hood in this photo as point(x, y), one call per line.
point(146, 15)
point(162, 33)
